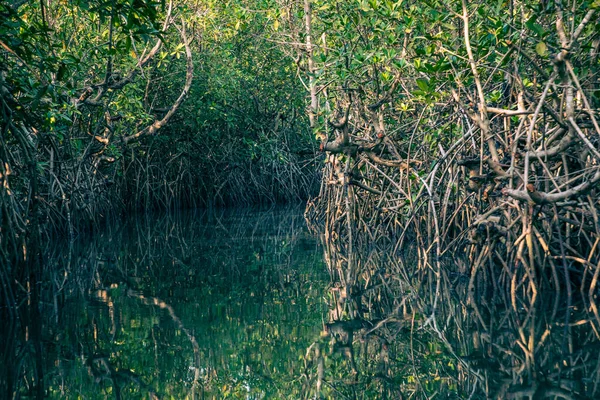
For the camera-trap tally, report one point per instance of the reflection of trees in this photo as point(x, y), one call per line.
point(100, 368)
point(153, 306)
point(399, 327)
point(154, 301)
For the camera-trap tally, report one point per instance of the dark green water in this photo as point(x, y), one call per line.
point(242, 305)
point(199, 305)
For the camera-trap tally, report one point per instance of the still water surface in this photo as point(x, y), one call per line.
point(210, 304)
point(242, 305)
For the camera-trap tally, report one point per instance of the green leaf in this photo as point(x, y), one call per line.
point(541, 49)
point(535, 27)
point(423, 84)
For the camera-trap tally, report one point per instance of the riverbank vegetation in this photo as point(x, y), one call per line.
point(116, 106)
point(462, 139)
point(458, 137)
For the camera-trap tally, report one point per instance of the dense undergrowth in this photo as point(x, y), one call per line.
point(463, 164)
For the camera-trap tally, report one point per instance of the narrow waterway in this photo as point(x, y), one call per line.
point(249, 305)
point(206, 304)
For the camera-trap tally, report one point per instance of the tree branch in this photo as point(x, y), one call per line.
point(103, 87)
point(532, 195)
point(153, 128)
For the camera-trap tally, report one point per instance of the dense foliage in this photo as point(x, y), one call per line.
point(117, 105)
point(449, 129)
point(462, 160)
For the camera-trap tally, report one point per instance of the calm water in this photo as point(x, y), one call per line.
point(242, 305)
point(199, 305)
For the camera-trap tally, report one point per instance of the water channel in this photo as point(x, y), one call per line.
point(241, 304)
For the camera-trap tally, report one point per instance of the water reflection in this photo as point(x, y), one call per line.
point(196, 306)
point(250, 305)
point(398, 327)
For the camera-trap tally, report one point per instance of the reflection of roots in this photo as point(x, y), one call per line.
point(100, 368)
point(154, 301)
point(506, 288)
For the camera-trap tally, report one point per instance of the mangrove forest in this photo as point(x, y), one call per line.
point(299, 199)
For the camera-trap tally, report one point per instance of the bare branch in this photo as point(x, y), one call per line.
point(532, 195)
point(386, 97)
point(582, 24)
point(508, 113)
point(153, 128)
